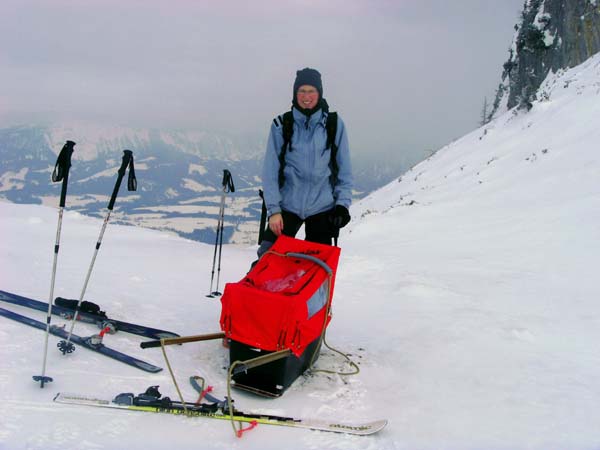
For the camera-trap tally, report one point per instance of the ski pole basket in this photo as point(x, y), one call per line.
point(283, 303)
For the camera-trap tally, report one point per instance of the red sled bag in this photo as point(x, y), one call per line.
point(282, 303)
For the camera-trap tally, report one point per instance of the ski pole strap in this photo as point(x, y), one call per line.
point(131, 183)
point(131, 180)
point(61, 169)
point(227, 181)
point(263, 217)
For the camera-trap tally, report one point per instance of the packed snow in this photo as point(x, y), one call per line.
point(467, 292)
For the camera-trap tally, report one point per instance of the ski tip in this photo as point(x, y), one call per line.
point(365, 429)
point(147, 367)
point(378, 425)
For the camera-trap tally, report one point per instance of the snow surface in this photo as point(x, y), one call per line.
point(467, 292)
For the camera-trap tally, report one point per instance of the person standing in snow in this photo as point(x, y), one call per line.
point(312, 183)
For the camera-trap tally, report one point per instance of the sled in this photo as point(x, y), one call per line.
point(280, 308)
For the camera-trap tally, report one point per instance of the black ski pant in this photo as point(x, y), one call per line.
point(317, 229)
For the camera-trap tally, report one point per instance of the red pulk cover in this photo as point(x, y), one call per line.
point(282, 302)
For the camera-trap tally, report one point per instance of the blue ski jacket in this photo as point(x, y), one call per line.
point(307, 189)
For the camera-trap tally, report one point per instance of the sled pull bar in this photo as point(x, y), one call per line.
point(182, 340)
point(243, 366)
point(313, 259)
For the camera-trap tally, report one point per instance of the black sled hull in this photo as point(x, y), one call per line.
point(271, 379)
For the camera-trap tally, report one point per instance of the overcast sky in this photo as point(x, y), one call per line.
point(405, 75)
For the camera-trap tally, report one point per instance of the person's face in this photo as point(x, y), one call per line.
point(307, 96)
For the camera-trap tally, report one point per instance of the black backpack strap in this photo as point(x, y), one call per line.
point(332, 120)
point(287, 124)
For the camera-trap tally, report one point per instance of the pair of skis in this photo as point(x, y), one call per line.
point(152, 401)
point(94, 343)
point(87, 342)
point(100, 319)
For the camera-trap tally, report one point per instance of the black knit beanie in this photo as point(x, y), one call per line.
point(310, 77)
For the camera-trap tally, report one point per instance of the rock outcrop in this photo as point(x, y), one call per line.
point(552, 35)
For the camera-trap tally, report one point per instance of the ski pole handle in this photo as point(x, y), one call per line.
point(227, 182)
point(132, 185)
point(127, 155)
point(61, 170)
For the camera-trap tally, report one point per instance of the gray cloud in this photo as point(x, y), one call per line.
point(405, 75)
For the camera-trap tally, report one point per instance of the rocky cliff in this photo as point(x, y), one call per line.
point(552, 35)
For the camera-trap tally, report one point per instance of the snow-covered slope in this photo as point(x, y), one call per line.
point(467, 292)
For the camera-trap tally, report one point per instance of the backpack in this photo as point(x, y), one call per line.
point(287, 123)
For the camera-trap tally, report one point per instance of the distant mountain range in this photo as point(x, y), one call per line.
point(179, 176)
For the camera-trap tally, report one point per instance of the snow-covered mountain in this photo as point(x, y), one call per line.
point(179, 175)
point(95, 140)
point(466, 291)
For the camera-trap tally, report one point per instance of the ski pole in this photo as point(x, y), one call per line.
point(227, 187)
point(212, 274)
point(263, 217)
point(60, 173)
point(66, 346)
point(222, 220)
point(336, 235)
